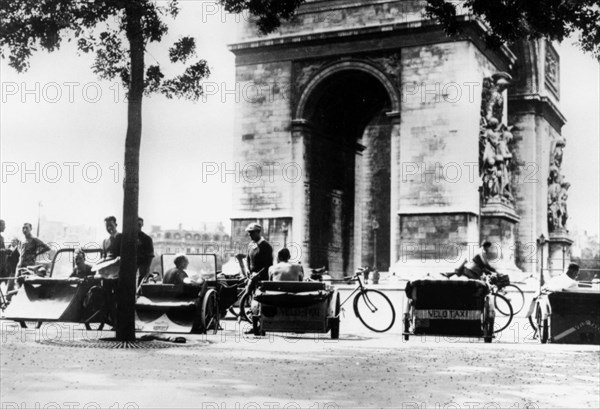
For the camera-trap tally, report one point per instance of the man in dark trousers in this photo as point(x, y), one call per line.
point(145, 251)
point(260, 259)
point(260, 253)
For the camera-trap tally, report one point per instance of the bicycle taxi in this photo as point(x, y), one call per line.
point(568, 317)
point(57, 297)
point(449, 308)
point(184, 309)
point(297, 307)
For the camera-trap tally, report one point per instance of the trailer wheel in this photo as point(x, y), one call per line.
point(335, 321)
point(210, 312)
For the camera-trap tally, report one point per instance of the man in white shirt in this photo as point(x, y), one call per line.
point(565, 281)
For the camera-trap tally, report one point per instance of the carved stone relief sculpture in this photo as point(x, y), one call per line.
point(495, 141)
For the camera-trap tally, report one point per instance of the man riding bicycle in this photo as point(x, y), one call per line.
point(478, 266)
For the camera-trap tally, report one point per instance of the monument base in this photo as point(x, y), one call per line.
point(559, 255)
point(498, 225)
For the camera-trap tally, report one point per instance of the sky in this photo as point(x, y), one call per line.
point(62, 136)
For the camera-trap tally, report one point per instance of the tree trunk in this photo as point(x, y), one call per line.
point(127, 274)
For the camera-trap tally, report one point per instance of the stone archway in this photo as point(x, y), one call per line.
point(348, 157)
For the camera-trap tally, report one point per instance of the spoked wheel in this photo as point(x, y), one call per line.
point(488, 321)
point(210, 312)
point(245, 308)
point(504, 313)
point(375, 310)
point(407, 320)
point(335, 321)
point(515, 296)
point(543, 326)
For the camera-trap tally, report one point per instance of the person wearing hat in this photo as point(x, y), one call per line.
point(260, 253)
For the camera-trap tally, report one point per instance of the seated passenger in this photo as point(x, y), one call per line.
point(82, 269)
point(177, 275)
point(565, 281)
point(284, 270)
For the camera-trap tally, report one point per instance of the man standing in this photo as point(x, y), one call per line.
point(31, 248)
point(4, 253)
point(145, 251)
point(260, 253)
point(111, 246)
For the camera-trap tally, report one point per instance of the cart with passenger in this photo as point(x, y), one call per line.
point(184, 308)
point(51, 294)
point(297, 307)
point(449, 308)
point(568, 316)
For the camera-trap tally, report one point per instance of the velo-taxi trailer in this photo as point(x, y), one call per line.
point(449, 308)
point(297, 307)
point(56, 297)
point(180, 309)
point(568, 317)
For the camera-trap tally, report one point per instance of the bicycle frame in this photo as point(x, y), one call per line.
point(355, 278)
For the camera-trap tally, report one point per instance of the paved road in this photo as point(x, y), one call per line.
point(234, 370)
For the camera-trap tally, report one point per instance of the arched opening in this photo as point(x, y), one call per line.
point(349, 164)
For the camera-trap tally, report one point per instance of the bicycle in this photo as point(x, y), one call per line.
point(512, 293)
point(367, 302)
point(502, 304)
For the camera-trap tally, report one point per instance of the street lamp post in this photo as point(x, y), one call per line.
point(541, 241)
point(284, 229)
point(375, 226)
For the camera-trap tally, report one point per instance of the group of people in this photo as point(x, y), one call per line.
point(259, 261)
point(20, 255)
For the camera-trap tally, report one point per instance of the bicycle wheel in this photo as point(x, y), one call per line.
point(210, 312)
point(375, 310)
point(245, 308)
point(516, 297)
point(543, 325)
point(502, 320)
point(500, 306)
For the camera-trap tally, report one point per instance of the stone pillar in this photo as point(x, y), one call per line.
point(301, 136)
point(533, 110)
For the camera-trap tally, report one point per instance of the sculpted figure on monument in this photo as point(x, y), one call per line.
point(554, 190)
point(562, 199)
point(495, 138)
point(492, 103)
point(557, 189)
point(496, 161)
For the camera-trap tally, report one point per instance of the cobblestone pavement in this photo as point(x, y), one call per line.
point(234, 370)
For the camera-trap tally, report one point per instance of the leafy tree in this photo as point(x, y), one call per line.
point(118, 31)
point(514, 20)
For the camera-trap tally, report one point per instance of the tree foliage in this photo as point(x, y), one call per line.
point(102, 27)
point(513, 20)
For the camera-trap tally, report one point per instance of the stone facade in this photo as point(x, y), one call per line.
point(361, 137)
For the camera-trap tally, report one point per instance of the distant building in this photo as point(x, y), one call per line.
point(212, 239)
